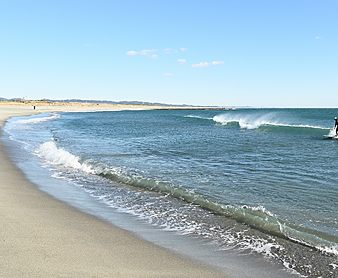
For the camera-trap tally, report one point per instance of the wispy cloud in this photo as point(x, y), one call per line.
point(317, 38)
point(131, 53)
point(149, 52)
point(206, 64)
point(146, 52)
point(184, 49)
point(168, 74)
point(143, 52)
point(200, 65)
point(182, 61)
point(167, 51)
point(214, 63)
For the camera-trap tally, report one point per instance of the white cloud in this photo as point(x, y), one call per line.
point(184, 49)
point(200, 65)
point(317, 38)
point(146, 52)
point(214, 63)
point(182, 61)
point(167, 50)
point(168, 74)
point(206, 64)
point(132, 53)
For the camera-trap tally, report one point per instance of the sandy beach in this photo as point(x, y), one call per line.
point(44, 237)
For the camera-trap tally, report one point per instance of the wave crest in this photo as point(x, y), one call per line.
point(256, 217)
point(257, 121)
point(55, 156)
point(37, 120)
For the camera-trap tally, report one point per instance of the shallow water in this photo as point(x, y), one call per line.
point(254, 181)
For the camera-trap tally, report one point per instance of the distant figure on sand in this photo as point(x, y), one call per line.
point(336, 125)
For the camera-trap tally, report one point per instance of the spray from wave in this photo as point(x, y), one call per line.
point(253, 121)
point(246, 122)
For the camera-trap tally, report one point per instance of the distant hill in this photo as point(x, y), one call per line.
point(100, 101)
point(115, 102)
point(11, 99)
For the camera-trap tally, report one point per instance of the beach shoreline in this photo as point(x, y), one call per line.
point(92, 106)
point(45, 237)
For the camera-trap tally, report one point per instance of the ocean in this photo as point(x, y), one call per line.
point(221, 186)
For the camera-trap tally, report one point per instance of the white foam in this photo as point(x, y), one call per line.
point(305, 126)
point(197, 117)
point(334, 265)
point(261, 209)
point(37, 120)
point(56, 156)
point(246, 122)
point(330, 249)
point(332, 132)
point(254, 122)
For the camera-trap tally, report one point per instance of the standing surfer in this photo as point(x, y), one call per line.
point(336, 125)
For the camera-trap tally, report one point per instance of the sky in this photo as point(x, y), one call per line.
point(276, 53)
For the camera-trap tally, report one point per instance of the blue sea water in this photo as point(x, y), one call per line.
point(259, 181)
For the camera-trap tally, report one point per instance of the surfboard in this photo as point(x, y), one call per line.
point(330, 136)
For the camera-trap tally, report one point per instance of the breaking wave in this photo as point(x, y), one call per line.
point(255, 122)
point(56, 156)
point(36, 120)
point(256, 217)
point(267, 121)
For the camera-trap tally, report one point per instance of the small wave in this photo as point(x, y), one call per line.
point(298, 126)
point(320, 241)
point(37, 120)
point(198, 117)
point(56, 156)
point(256, 217)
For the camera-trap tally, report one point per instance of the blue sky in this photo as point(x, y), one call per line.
point(224, 53)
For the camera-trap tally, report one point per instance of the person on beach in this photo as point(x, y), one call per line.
point(336, 125)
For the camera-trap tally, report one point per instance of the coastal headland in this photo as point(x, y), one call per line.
point(44, 237)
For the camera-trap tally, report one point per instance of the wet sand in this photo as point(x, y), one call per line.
point(44, 237)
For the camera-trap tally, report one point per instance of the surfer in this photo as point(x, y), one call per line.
point(336, 125)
